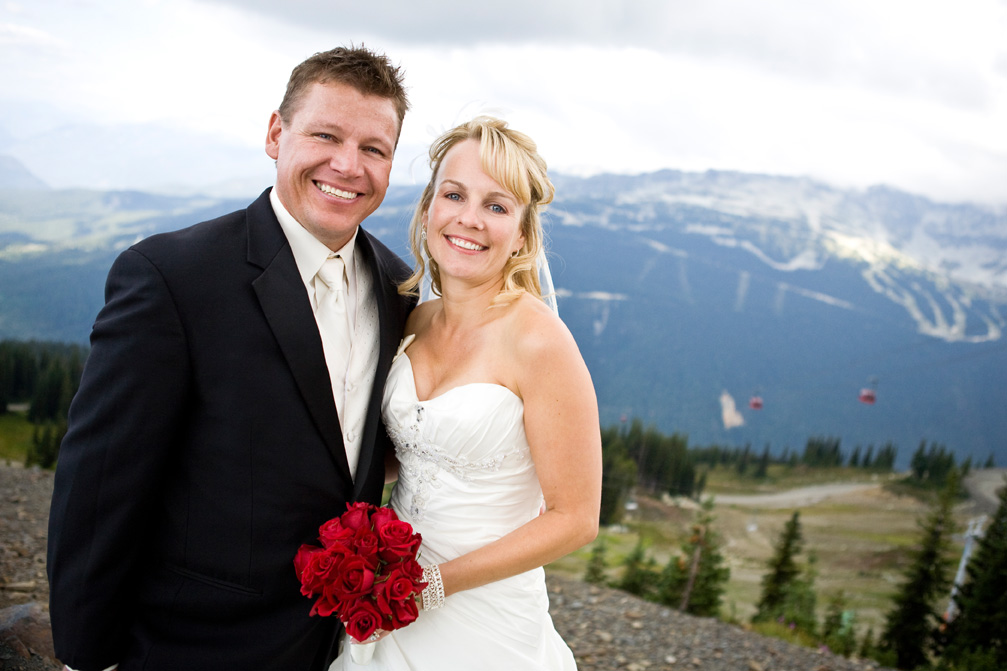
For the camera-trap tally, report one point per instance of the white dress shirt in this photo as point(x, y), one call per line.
point(353, 390)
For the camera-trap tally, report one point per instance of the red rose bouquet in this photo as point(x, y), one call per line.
point(365, 572)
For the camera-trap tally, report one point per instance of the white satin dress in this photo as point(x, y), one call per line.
point(466, 478)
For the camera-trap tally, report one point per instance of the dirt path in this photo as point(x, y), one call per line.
point(794, 498)
point(983, 487)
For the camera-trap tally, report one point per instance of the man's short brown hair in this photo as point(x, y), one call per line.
point(368, 72)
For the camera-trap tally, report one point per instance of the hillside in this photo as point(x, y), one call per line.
point(606, 629)
point(687, 293)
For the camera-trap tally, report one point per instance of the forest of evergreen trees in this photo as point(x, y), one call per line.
point(45, 376)
point(920, 634)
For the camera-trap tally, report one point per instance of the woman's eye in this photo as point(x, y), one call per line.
point(453, 196)
point(499, 209)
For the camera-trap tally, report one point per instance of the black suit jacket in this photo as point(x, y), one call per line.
point(203, 449)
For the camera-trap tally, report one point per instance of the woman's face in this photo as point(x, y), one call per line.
point(473, 223)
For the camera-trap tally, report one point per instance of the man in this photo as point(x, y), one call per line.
point(222, 416)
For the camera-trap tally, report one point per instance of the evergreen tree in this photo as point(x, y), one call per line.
point(981, 623)
point(742, 464)
point(837, 627)
point(800, 599)
point(44, 448)
point(53, 392)
point(868, 648)
point(762, 467)
point(990, 462)
point(783, 570)
point(885, 459)
point(6, 382)
point(638, 576)
point(912, 626)
point(700, 484)
point(595, 573)
point(618, 476)
point(694, 582)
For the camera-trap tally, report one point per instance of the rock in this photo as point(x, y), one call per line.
point(25, 629)
point(26, 586)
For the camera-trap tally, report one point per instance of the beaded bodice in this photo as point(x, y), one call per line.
point(466, 475)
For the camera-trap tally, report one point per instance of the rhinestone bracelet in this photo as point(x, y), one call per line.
point(433, 593)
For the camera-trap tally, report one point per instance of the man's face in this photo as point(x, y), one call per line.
point(333, 157)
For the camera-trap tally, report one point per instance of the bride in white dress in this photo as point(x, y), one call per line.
point(493, 416)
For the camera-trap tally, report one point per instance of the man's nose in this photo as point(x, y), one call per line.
point(345, 159)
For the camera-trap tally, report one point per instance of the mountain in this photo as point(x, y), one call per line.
point(687, 293)
point(13, 175)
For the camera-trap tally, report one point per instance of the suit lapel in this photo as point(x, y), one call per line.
point(286, 306)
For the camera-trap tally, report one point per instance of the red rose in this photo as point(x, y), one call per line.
point(318, 568)
point(357, 515)
point(365, 545)
point(363, 619)
point(412, 568)
point(397, 614)
point(399, 586)
point(301, 560)
point(333, 532)
point(328, 603)
point(354, 579)
point(381, 517)
point(396, 598)
point(398, 541)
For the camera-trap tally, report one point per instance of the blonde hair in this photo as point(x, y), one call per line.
point(511, 158)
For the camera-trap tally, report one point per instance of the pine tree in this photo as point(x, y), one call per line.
point(800, 599)
point(762, 467)
point(837, 627)
point(912, 626)
point(783, 571)
point(694, 582)
point(618, 476)
point(868, 649)
point(595, 573)
point(981, 624)
point(638, 576)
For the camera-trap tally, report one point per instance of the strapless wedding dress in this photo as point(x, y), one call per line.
point(466, 478)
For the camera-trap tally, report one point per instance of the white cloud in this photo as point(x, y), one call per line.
point(852, 92)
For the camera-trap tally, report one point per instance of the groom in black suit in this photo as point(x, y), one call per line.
point(212, 433)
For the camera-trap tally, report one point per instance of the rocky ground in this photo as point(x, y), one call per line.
point(607, 629)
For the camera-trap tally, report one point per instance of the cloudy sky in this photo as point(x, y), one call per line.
point(909, 93)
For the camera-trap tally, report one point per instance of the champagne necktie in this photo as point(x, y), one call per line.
point(333, 325)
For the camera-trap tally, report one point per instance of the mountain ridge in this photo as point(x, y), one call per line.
point(680, 288)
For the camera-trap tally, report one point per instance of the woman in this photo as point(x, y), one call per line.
point(493, 415)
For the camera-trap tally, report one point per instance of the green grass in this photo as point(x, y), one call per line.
point(15, 436)
point(862, 541)
point(725, 479)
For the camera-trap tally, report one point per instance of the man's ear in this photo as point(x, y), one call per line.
point(273, 135)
